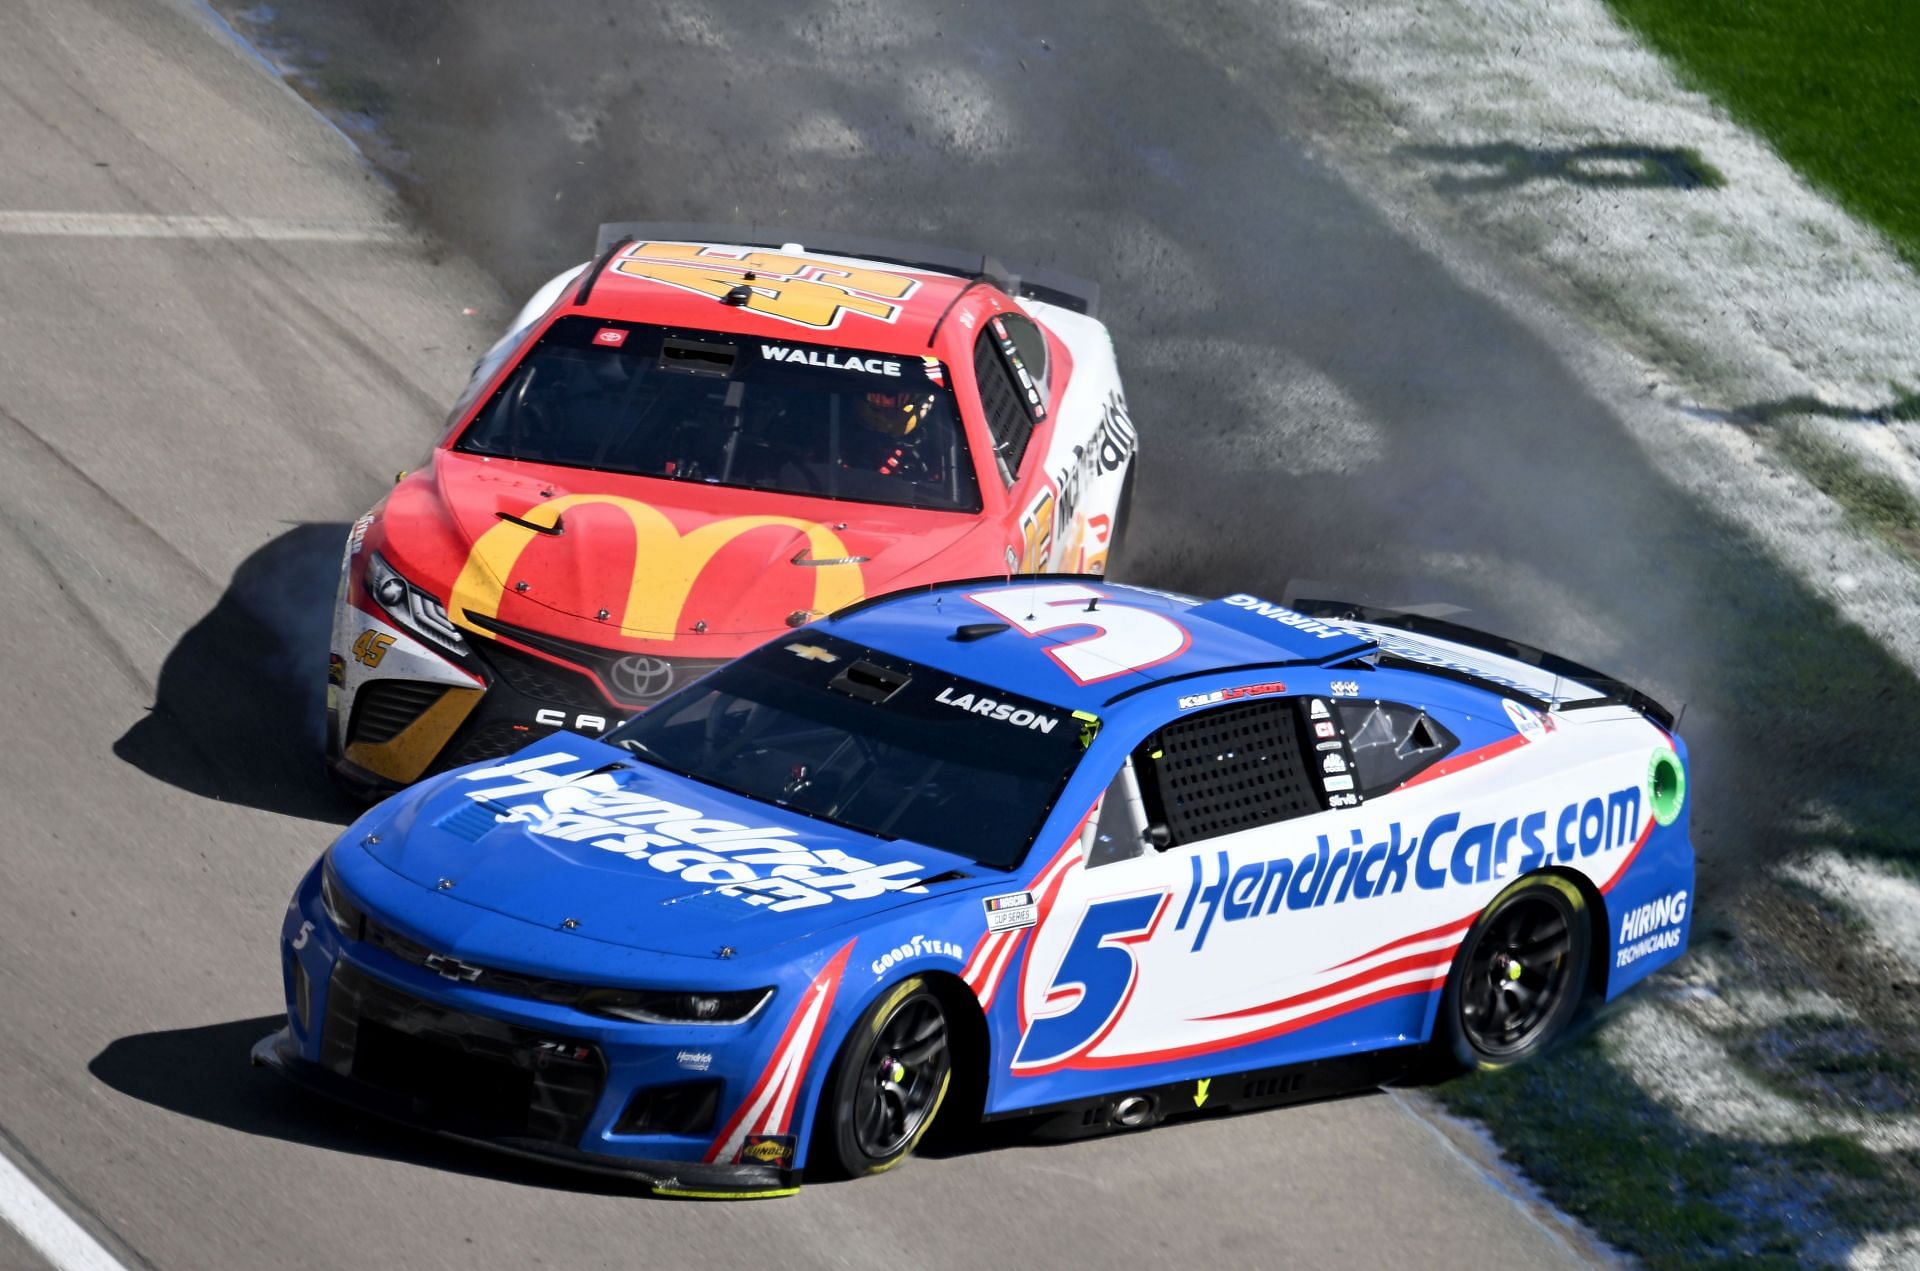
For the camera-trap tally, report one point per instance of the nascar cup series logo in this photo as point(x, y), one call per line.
point(666, 563)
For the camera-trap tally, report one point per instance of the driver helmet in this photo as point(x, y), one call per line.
point(895, 414)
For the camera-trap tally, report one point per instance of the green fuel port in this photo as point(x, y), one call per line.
point(1666, 786)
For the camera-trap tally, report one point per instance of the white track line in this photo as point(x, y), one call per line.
point(47, 1227)
point(149, 225)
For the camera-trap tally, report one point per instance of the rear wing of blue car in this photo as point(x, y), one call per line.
point(1609, 691)
point(1049, 286)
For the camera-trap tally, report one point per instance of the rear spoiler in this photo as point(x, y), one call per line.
point(1049, 286)
point(1612, 692)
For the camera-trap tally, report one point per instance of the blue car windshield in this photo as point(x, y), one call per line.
point(720, 409)
point(872, 742)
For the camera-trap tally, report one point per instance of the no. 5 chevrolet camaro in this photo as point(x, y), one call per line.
point(1054, 849)
point(686, 446)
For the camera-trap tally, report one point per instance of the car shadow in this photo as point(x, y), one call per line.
point(205, 1073)
point(239, 711)
point(1598, 166)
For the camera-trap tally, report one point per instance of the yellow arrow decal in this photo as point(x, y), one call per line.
point(1200, 1092)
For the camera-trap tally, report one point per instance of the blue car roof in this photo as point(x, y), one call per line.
point(1233, 632)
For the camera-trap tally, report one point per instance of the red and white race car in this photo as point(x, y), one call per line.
point(701, 438)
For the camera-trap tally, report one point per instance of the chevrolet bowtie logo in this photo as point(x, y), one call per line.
point(451, 968)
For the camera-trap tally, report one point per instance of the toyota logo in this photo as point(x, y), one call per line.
point(636, 677)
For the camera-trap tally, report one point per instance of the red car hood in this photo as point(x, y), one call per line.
point(668, 566)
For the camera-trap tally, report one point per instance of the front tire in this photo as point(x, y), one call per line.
point(1519, 976)
point(888, 1082)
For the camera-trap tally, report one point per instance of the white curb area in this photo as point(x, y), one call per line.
point(1726, 299)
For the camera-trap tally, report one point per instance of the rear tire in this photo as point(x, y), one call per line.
point(1518, 978)
point(888, 1082)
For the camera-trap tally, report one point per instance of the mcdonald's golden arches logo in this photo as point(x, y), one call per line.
point(666, 563)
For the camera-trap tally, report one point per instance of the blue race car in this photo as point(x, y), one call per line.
point(1046, 848)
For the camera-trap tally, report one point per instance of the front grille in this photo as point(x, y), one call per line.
point(559, 992)
point(385, 707)
point(631, 679)
point(489, 741)
point(542, 680)
point(460, 1072)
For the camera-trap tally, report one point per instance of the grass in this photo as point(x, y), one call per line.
point(1871, 499)
point(1674, 1197)
point(1834, 86)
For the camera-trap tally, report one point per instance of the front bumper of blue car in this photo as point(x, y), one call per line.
point(387, 1035)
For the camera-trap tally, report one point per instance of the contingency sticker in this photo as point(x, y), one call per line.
point(1011, 912)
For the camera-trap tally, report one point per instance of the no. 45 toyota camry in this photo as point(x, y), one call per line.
point(1029, 848)
point(687, 446)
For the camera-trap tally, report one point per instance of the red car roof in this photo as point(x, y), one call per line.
point(792, 297)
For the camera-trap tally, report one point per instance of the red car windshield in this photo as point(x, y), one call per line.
point(733, 410)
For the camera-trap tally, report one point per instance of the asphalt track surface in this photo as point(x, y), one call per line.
point(191, 412)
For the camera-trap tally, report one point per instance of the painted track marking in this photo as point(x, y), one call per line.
point(47, 1227)
point(155, 225)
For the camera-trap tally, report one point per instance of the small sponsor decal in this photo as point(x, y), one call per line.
point(1335, 744)
point(1324, 728)
point(1220, 695)
point(1343, 801)
point(1011, 912)
point(695, 1060)
point(919, 946)
point(766, 1149)
point(1526, 719)
point(1333, 763)
point(1344, 688)
point(610, 337)
point(936, 373)
point(1317, 709)
point(1339, 783)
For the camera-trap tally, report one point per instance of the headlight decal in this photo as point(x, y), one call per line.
point(410, 607)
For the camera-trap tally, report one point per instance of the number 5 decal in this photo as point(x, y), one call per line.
point(1095, 978)
point(1118, 639)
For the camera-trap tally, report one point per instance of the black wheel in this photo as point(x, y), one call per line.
point(888, 1082)
point(1519, 975)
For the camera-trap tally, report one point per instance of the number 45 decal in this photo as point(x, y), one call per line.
point(1095, 979)
point(1118, 638)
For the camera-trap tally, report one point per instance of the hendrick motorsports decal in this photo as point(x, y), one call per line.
point(757, 864)
point(1441, 855)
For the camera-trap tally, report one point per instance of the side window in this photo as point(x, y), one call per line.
point(1226, 769)
point(1120, 827)
point(1003, 398)
point(1030, 347)
point(1391, 742)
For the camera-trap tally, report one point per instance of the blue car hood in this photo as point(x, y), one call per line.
point(571, 833)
